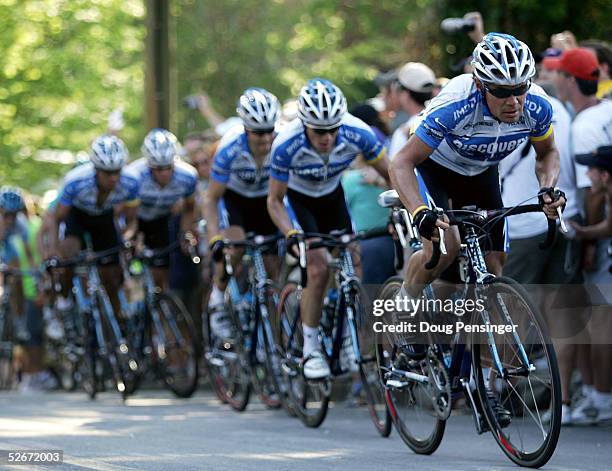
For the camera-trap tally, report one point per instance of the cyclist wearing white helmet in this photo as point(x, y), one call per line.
point(236, 199)
point(164, 181)
point(308, 158)
point(475, 121)
point(89, 196)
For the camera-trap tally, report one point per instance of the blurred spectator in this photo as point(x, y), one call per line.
point(389, 92)
point(369, 115)
point(546, 73)
point(576, 82)
point(439, 85)
point(558, 265)
point(362, 185)
point(604, 56)
point(563, 41)
point(416, 83)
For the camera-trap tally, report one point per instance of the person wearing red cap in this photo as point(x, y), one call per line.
point(576, 82)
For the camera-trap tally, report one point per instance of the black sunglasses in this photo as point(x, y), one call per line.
point(261, 132)
point(165, 167)
point(504, 92)
point(110, 172)
point(322, 132)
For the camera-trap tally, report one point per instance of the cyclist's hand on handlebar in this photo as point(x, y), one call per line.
point(216, 246)
point(551, 199)
point(292, 239)
point(427, 222)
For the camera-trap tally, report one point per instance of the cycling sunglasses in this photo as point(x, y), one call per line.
point(504, 92)
point(163, 168)
point(261, 132)
point(322, 132)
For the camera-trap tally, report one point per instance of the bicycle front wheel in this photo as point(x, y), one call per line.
point(368, 369)
point(528, 386)
point(175, 345)
point(309, 399)
point(409, 401)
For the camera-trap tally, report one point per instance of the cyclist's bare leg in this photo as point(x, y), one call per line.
point(495, 262)
point(68, 248)
point(111, 278)
point(231, 233)
point(312, 296)
point(160, 277)
point(417, 276)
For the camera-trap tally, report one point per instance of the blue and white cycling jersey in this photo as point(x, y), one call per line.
point(467, 138)
point(80, 190)
point(294, 160)
point(156, 201)
point(234, 166)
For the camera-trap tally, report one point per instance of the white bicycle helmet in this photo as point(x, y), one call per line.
point(321, 104)
point(108, 153)
point(258, 109)
point(501, 59)
point(160, 148)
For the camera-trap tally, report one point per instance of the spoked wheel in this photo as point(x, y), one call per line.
point(273, 358)
point(309, 399)
point(409, 401)
point(528, 389)
point(120, 357)
point(89, 362)
point(263, 377)
point(228, 365)
point(368, 369)
point(174, 345)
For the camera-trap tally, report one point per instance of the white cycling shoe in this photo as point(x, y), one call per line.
point(315, 366)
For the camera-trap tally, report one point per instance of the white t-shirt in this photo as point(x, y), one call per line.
point(400, 136)
point(592, 128)
point(520, 181)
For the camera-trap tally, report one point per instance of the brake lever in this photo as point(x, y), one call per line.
point(564, 228)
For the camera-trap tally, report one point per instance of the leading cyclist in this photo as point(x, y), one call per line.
point(475, 121)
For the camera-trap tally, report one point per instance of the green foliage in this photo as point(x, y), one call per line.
point(64, 65)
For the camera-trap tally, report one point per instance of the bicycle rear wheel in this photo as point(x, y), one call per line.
point(118, 352)
point(309, 399)
point(7, 374)
point(409, 402)
point(176, 355)
point(526, 389)
point(368, 369)
point(228, 365)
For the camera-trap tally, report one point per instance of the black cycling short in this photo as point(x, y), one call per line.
point(249, 213)
point(322, 214)
point(101, 229)
point(482, 190)
point(157, 236)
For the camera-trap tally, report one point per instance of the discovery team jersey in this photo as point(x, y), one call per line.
point(80, 190)
point(467, 138)
point(156, 201)
point(234, 166)
point(294, 160)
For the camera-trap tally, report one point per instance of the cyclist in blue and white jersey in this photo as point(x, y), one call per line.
point(164, 181)
point(308, 157)
point(236, 199)
point(88, 199)
point(475, 121)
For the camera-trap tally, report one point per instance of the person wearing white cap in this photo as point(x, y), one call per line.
point(416, 82)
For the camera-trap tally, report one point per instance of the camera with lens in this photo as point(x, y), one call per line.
point(457, 25)
point(191, 102)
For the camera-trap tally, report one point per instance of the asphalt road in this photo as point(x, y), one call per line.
point(154, 431)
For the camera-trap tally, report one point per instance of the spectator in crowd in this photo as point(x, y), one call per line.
point(557, 265)
point(603, 51)
point(416, 83)
point(389, 92)
point(576, 82)
point(362, 185)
